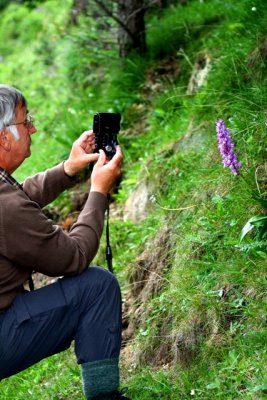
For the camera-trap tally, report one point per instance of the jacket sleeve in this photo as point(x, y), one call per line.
point(31, 240)
point(45, 187)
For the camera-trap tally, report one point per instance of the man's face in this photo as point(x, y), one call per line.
point(21, 147)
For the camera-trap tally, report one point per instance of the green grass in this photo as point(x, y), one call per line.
point(55, 378)
point(200, 333)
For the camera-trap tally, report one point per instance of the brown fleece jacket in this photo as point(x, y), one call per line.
point(29, 241)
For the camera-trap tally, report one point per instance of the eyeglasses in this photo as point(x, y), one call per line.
point(28, 121)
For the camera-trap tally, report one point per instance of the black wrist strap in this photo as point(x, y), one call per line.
point(108, 247)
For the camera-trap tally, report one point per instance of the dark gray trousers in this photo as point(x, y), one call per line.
point(85, 308)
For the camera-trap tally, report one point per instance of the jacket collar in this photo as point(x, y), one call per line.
point(7, 178)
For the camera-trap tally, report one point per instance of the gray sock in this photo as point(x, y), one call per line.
point(100, 377)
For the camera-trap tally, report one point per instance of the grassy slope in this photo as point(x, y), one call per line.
point(205, 317)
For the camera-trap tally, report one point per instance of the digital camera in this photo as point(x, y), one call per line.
point(106, 127)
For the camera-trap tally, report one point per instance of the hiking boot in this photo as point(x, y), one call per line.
point(119, 395)
point(114, 395)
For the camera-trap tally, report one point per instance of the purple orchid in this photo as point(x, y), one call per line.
point(226, 147)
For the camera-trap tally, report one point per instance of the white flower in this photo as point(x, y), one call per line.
point(153, 199)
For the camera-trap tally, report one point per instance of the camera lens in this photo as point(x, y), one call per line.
point(108, 149)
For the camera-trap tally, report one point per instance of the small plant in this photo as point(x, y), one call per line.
point(227, 148)
point(257, 223)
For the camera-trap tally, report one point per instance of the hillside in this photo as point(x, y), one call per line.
point(194, 294)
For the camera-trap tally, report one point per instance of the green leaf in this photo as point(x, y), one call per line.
point(259, 388)
point(159, 113)
point(213, 385)
point(236, 26)
point(262, 254)
point(246, 229)
point(258, 221)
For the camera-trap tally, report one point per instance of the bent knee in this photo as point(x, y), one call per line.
point(100, 275)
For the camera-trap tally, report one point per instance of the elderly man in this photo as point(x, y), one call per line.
point(84, 305)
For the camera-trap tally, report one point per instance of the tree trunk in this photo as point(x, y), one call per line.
point(132, 15)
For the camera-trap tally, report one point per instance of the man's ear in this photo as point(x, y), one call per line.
point(5, 142)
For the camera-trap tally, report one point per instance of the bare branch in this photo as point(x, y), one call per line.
point(119, 21)
point(143, 8)
point(112, 15)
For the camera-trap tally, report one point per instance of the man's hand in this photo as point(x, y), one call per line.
point(81, 154)
point(105, 173)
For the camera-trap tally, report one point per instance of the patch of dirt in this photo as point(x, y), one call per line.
point(41, 280)
point(187, 339)
point(146, 280)
point(166, 70)
point(258, 58)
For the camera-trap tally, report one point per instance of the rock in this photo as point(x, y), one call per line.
point(137, 203)
point(200, 73)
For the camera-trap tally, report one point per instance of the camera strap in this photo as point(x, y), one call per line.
point(108, 247)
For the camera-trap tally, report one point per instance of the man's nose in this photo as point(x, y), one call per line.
point(32, 130)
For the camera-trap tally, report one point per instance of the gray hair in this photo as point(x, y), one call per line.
point(10, 98)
